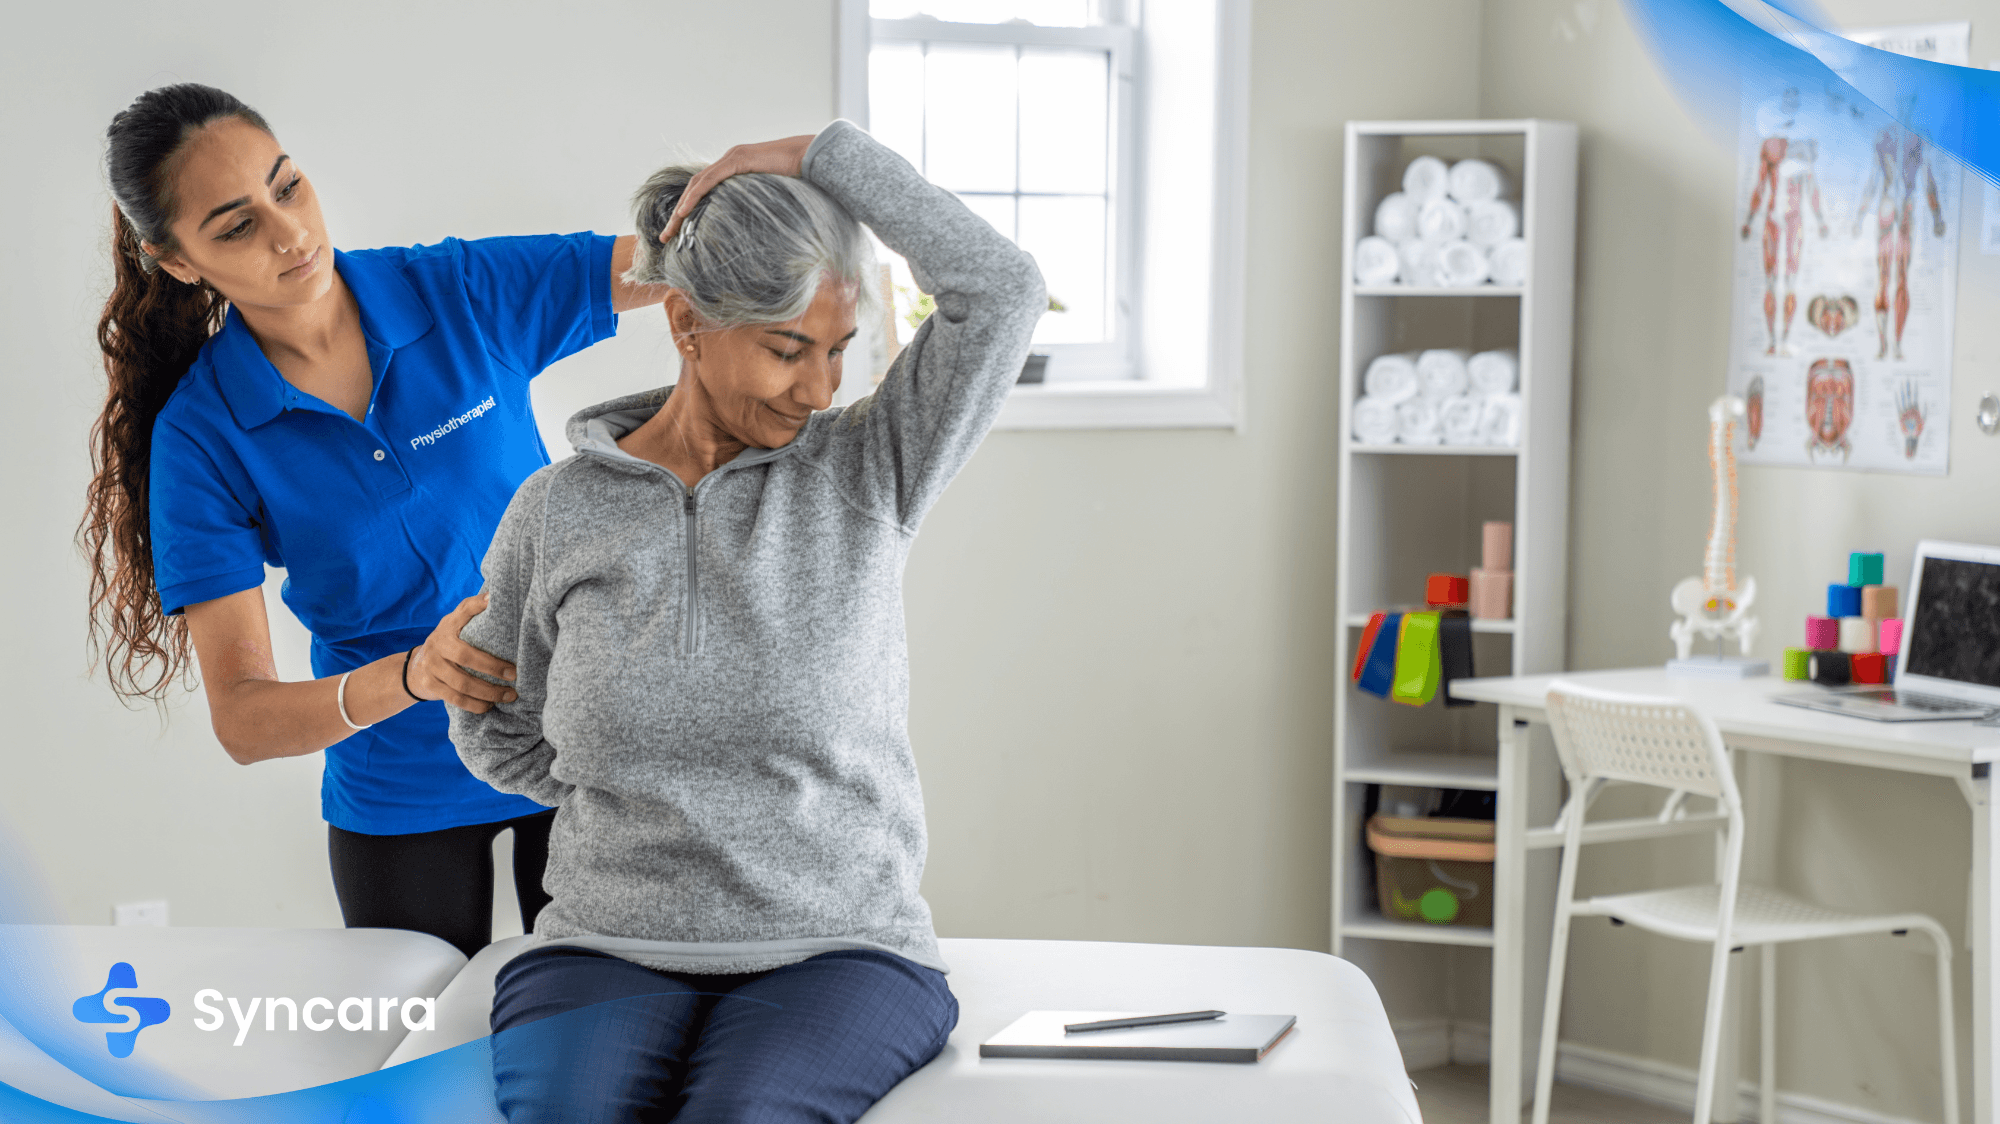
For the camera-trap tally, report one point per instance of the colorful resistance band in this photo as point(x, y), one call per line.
point(1361, 650)
point(1418, 665)
point(1379, 673)
point(1455, 650)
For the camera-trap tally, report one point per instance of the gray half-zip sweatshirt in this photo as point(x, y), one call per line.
point(714, 684)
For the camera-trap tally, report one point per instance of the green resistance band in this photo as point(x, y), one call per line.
point(1419, 666)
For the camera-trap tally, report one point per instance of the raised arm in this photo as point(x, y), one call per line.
point(946, 388)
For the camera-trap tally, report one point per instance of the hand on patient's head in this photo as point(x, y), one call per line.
point(778, 157)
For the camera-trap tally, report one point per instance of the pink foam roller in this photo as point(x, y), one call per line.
point(1892, 634)
point(1822, 633)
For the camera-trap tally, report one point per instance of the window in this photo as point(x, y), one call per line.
point(1039, 114)
point(1030, 126)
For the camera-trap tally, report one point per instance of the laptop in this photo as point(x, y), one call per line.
point(1949, 665)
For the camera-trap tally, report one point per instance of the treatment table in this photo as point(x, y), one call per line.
point(1340, 1062)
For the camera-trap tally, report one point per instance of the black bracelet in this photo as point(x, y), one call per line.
point(406, 673)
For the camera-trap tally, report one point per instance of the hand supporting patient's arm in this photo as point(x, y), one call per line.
point(258, 717)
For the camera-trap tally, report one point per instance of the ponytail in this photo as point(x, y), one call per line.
point(152, 329)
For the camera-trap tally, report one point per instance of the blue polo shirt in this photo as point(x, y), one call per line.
point(380, 524)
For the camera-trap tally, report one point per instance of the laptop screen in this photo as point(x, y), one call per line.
point(1955, 630)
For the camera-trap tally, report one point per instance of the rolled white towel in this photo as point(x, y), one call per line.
point(1493, 372)
point(1375, 262)
point(1491, 221)
point(1419, 262)
point(1459, 418)
point(1374, 421)
point(1417, 423)
point(1392, 378)
point(1508, 262)
point(1425, 179)
point(1462, 264)
point(1500, 424)
point(1441, 373)
point(1441, 220)
point(1396, 217)
point(1473, 181)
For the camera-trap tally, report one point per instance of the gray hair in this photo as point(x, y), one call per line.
point(755, 250)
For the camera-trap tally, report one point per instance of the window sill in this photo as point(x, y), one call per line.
point(1124, 404)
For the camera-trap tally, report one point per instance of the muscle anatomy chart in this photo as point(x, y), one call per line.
point(1846, 267)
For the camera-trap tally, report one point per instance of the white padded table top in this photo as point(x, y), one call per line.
point(1339, 1063)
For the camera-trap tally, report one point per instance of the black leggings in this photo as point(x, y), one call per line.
point(437, 882)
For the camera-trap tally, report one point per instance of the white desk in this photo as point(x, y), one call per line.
point(1742, 710)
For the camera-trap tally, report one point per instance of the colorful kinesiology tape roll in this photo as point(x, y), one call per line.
point(1878, 601)
point(1496, 546)
point(1864, 569)
point(1446, 589)
point(1833, 669)
point(1822, 634)
point(1843, 601)
point(1492, 595)
point(1867, 667)
point(1858, 634)
point(1798, 663)
point(1891, 636)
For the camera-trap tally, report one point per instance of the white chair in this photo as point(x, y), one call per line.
point(1605, 738)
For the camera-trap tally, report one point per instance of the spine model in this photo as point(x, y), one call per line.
point(1714, 605)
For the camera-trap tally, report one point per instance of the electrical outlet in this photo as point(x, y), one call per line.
point(139, 913)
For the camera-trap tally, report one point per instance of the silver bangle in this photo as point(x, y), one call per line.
point(340, 702)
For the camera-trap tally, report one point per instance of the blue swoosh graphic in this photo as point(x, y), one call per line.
point(1713, 56)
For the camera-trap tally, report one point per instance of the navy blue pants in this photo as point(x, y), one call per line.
point(585, 1038)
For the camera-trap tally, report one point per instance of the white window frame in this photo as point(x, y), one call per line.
point(1144, 401)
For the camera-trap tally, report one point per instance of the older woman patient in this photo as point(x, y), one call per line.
point(704, 607)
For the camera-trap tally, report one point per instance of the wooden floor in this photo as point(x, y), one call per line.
point(1456, 1094)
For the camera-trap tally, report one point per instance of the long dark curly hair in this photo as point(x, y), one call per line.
point(151, 331)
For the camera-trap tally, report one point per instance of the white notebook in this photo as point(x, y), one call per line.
point(1231, 1038)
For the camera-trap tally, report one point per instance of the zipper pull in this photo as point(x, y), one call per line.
point(688, 504)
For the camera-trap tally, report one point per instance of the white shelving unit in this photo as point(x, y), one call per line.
point(1409, 511)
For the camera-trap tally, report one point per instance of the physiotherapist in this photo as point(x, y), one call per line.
point(360, 420)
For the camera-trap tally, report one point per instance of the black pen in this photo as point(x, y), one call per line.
point(1143, 1020)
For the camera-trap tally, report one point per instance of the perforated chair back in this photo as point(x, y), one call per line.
point(1639, 739)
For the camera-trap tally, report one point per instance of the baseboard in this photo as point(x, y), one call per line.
point(1425, 1043)
point(1466, 1043)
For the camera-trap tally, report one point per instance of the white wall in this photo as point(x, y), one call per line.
point(416, 122)
point(1114, 635)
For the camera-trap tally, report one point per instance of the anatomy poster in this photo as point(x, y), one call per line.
point(1846, 269)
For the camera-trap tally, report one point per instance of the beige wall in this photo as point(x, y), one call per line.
point(1657, 213)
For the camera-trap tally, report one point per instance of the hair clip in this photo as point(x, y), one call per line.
point(687, 233)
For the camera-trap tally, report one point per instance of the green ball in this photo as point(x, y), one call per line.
point(1438, 904)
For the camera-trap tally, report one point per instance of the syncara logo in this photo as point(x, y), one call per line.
point(92, 1009)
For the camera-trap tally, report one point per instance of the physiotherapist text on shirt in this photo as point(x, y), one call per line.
point(358, 419)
